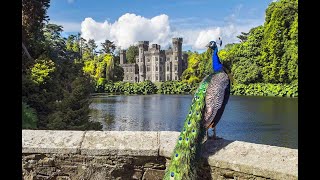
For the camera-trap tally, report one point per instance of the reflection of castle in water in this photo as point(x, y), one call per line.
point(154, 64)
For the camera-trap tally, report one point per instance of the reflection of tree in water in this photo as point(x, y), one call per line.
point(94, 114)
point(109, 119)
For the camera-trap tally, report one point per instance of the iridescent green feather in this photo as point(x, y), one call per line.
point(186, 152)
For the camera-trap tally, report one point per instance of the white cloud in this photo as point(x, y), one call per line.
point(128, 29)
point(131, 28)
point(205, 36)
point(90, 29)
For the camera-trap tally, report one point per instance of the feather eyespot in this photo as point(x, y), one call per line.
point(172, 174)
point(187, 139)
point(180, 138)
point(189, 122)
point(177, 155)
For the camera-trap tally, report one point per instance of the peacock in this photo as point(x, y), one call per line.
point(205, 112)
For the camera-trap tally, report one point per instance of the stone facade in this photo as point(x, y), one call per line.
point(155, 64)
point(95, 155)
point(76, 166)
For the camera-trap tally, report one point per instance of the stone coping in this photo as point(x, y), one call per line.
point(257, 159)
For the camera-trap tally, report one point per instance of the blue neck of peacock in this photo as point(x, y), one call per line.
point(216, 64)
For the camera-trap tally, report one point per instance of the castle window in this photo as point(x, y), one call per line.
point(175, 67)
point(168, 59)
point(131, 70)
point(156, 58)
point(168, 67)
point(131, 77)
point(148, 60)
point(176, 58)
point(156, 68)
point(157, 77)
point(148, 68)
point(176, 77)
point(160, 69)
point(168, 77)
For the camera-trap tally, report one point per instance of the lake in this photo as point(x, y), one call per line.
point(262, 120)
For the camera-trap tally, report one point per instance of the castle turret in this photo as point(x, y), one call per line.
point(123, 59)
point(177, 45)
point(143, 46)
point(177, 58)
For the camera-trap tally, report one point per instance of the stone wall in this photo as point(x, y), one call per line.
point(144, 155)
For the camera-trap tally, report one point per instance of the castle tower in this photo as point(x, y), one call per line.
point(143, 46)
point(177, 58)
point(123, 59)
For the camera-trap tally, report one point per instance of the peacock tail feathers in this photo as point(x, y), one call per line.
point(187, 149)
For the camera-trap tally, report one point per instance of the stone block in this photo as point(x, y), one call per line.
point(128, 143)
point(48, 141)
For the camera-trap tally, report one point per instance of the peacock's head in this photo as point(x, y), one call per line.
point(212, 45)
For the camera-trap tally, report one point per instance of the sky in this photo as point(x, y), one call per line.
point(125, 22)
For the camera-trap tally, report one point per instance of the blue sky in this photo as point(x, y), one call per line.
point(127, 21)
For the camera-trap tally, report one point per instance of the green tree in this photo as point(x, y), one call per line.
point(33, 18)
point(42, 69)
point(108, 47)
point(243, 37)
point(92, 47)
point(280, 16)
point(132, 53)
point(29, 117)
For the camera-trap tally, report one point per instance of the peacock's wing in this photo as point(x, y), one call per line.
point(215, 96)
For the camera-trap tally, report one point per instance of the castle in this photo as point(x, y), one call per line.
point(154, 64)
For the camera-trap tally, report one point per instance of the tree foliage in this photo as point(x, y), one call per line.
point(108, 47)
point(55, 91)
point(29, 117)
point(131, 54)
point(42, 69)
point(266, 54)
point(145, 87)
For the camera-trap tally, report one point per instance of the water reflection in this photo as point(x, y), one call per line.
point(265, 120)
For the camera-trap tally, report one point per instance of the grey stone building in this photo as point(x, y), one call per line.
point(155, 64)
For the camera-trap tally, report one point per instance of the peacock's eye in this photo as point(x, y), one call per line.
point(172, 174)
